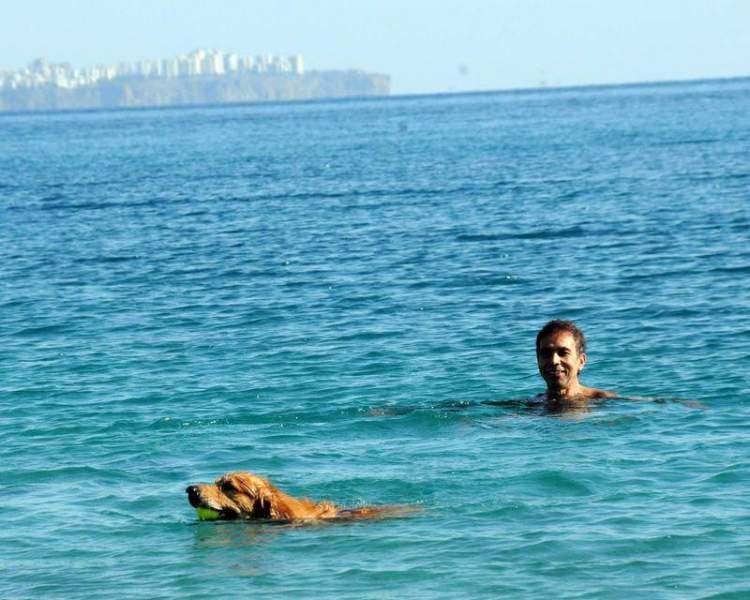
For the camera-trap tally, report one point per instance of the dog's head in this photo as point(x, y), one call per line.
point(238, 495)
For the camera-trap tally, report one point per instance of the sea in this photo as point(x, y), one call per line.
point(343, 297)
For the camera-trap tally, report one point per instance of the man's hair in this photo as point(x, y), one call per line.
point(558, 325)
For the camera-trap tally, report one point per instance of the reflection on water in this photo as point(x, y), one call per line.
point(535, 406)
point(237, 534)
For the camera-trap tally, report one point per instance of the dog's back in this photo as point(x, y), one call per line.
point(384, 511)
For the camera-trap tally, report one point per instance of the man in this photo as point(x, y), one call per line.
point(561, 356)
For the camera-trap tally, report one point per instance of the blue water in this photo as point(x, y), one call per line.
point(326, 293)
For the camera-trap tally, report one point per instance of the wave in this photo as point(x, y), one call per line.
point(537, 234)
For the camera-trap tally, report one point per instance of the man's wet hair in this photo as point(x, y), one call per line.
point(558, 325)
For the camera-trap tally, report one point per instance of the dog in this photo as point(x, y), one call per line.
point(242, 495)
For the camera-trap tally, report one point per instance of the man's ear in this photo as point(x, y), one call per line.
point(582, 360)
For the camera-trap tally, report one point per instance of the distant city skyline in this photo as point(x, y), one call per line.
point(425, 46)
point(199, 62)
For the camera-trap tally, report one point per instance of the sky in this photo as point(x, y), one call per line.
point(426, 46)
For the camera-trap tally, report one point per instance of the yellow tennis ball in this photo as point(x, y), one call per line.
point(207, 514)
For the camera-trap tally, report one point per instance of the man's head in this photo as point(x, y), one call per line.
point(560, 354)
point(560, 325)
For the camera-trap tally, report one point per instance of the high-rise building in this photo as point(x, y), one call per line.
point(170, 67)
point(195, 62)
point(231, 63)
point(247, 63)
point(213, 63)
point(262, 63)
point(124, 69)
point(298, 65)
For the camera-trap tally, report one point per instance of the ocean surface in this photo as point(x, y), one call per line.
point(343, 296)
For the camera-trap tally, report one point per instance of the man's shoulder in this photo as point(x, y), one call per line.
point(596, 393)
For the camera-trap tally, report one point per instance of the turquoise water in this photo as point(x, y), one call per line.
point(326, 293)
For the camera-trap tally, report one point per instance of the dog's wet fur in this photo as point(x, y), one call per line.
point(242, 495)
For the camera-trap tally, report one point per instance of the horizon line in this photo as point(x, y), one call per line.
point(404, 96)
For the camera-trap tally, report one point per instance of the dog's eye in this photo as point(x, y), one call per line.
point(226, 487)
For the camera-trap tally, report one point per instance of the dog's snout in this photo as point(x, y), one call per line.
point(193, 498)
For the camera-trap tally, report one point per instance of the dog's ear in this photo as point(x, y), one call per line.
point(264, 507)
point(261, 494)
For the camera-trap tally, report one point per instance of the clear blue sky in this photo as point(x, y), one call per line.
point(425, 45)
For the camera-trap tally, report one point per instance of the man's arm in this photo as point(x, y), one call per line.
point(595, 393)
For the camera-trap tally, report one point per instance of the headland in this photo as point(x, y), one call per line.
point(201, 77)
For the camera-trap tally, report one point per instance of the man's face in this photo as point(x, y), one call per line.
point(558, 360)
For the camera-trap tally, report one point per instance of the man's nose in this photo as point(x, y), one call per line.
point(555, 358)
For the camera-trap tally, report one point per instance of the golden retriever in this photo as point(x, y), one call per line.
point(247, 496)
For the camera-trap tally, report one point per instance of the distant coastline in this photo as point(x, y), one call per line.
point(241, 88)
point(581, 87)
point(201, 77)
point(328, 85)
